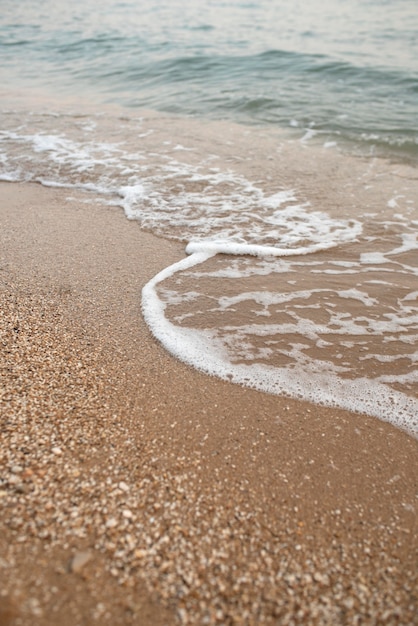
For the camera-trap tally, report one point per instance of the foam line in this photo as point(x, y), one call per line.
point(241, 249)
point(204, 351)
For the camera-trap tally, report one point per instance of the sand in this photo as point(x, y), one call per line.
point(135, 490)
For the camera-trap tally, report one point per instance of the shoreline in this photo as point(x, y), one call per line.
point(190, 498)
point(45, 103)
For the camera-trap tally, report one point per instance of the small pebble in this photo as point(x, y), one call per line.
point(79, 561)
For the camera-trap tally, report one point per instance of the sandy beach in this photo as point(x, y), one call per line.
point(136, 490)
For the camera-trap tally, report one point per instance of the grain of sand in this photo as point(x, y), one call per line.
point(135, 490)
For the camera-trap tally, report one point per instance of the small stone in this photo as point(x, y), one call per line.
point(34, 607)
point(57, 451)
point(123, 486)
point(99, 610)
point(111, 523)
point(79, 560)
point(320, 578)
point(139, 554)
point(16, 523)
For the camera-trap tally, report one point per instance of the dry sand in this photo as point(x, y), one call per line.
point(135, 490)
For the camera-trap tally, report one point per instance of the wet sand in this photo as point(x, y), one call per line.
point(135, 490)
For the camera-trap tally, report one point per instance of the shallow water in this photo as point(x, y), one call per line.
point(349, 70)
point(301, 232)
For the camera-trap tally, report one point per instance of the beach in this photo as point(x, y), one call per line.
point(137, 490)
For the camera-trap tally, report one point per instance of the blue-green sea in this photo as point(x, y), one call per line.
point(344, 66)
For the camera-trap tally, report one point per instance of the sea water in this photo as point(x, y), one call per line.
point(277, 140)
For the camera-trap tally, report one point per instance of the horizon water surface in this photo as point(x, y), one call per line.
point(278, 144)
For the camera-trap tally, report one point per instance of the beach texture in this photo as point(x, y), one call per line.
point(136, 490)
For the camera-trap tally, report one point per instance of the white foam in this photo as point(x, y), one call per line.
point(276, 200)
point(358, 295)
point(307, 380)
point(243, 267)
point(210, 203)
point(238, 249)
point(411, 296)
point(409, 242)
point(373, 258)
point(309, 133)
point(11, 177)
point(131, 195)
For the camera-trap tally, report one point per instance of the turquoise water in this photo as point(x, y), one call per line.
point(348, 68)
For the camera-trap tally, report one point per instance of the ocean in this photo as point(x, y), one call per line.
point(277, 140)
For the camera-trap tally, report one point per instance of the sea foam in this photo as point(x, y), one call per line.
point(205, 350)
